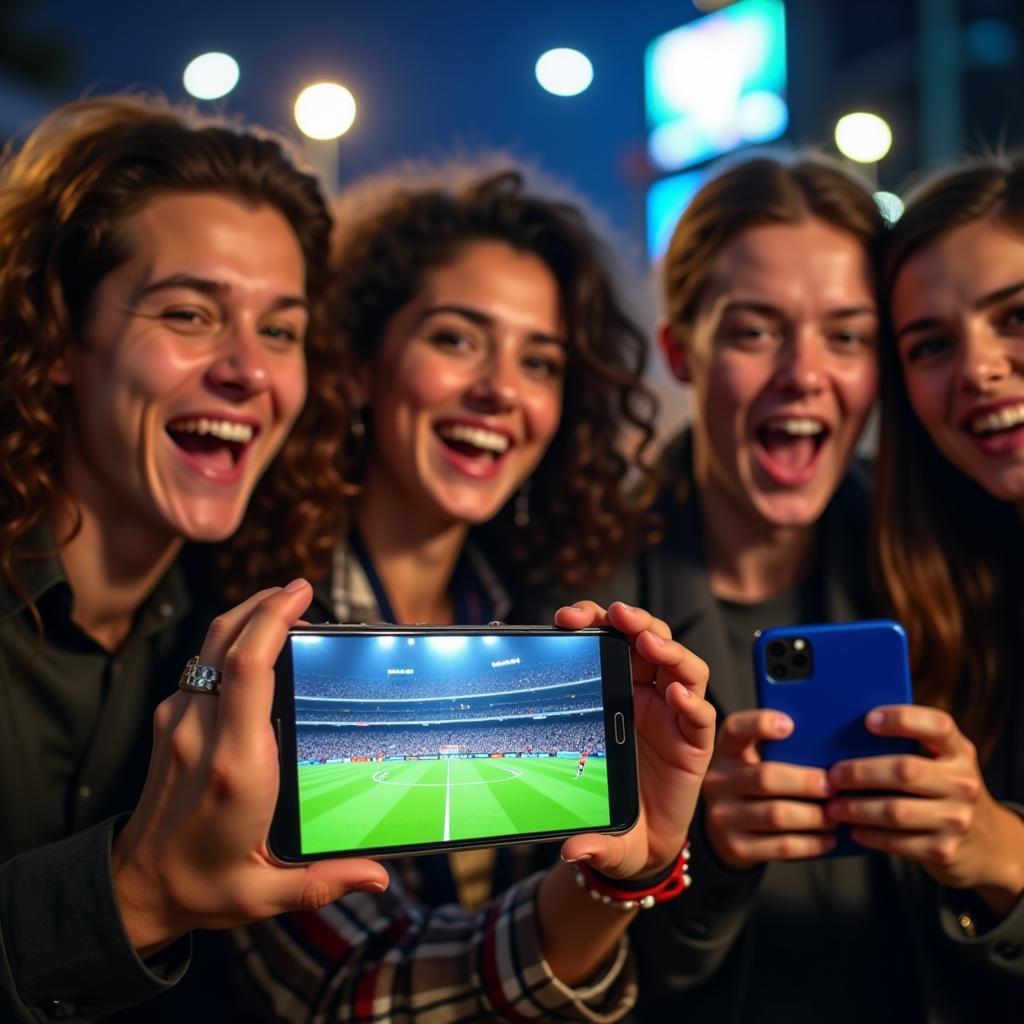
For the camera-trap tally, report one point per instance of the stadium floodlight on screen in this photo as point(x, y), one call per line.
point(453, 738)
point(716, 84)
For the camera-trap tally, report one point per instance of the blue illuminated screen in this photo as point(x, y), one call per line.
point(410, 740)
point(716, 84)
point(666, 200)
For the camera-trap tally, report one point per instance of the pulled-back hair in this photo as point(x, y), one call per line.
point(395, 230)
point(64, 198)
point(947, 552)
point(758, 191)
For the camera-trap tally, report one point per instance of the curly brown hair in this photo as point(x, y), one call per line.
point(947, 552)
point(395, 229)
point(64, 197)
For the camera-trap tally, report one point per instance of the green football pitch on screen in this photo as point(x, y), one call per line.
point(364, 805)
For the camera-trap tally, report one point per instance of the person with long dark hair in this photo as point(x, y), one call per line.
point(949, 558)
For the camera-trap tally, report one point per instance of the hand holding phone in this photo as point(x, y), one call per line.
point(932, 808)
point(413, 739)
point(826, 679)
point(757, 811)
point(675, 736)
point(193, 853)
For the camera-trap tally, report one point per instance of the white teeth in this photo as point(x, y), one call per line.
point(1001, 419)
point(224, 430)
point(796, 426)
point(488, 440)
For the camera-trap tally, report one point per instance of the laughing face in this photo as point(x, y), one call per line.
point(782, 358)
point(466, 389)
point(191, 370)
point(958, 316)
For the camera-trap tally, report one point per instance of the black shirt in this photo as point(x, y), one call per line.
point(76, 719)
point(75, 739)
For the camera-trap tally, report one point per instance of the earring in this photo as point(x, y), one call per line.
point(521, 509)
point(354, 449)
point(357, 422)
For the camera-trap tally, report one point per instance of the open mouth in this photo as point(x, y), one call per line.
point(476, 443)
point(792, 443)
point(216, 445)
point(1007, 420)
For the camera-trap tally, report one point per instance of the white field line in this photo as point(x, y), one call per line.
point(383, 779)
point(448, 803)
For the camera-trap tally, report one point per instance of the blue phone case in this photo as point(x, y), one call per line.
point(854, 667)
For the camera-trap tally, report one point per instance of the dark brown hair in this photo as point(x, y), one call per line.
point(395, 229)
point(64, 197)
point(945, 548)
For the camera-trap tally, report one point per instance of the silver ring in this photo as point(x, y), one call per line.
point(199, 678)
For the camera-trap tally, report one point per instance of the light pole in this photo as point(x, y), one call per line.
point(324, 112)
point(864, 138)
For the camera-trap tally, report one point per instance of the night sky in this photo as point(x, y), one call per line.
point(431, 78)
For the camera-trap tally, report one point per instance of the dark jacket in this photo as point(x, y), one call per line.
point(696, 955)
point(75, 738)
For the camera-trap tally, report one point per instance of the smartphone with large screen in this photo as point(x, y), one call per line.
point(827, 678)
point(402, 740)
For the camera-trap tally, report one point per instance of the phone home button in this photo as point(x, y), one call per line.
point(619, 722)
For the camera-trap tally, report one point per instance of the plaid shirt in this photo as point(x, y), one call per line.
point(394, 958)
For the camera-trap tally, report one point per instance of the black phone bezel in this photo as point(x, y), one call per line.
point(284, 840)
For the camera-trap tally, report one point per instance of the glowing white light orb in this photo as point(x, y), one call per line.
point(447, 644)
point(564, 72)
point(863, 137)
point(325, 110)
point(890, 204)
point(210, 76)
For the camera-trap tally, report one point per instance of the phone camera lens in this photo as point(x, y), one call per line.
point(800, 661)
point(776, 648)
point(779, 671)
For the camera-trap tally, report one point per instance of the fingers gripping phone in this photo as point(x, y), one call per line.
point(827, 678)
point(399, 740)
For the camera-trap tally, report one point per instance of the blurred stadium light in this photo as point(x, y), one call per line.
point(325, 111)
point(564, 72)
point(863, 137)
point(210, 76)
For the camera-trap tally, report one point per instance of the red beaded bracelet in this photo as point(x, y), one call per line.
point(605, 889)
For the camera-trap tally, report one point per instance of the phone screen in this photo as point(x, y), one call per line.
point(414, 739)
